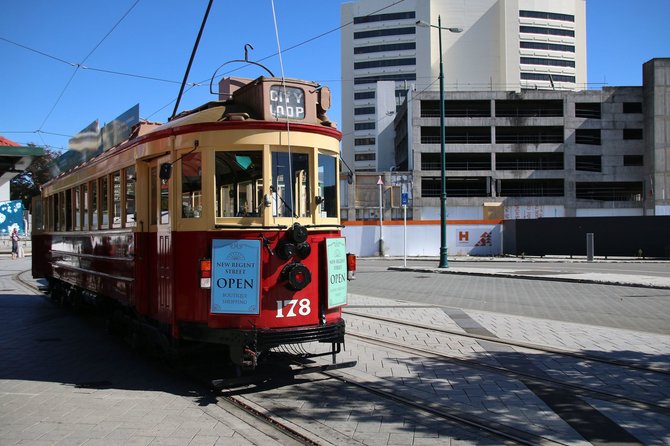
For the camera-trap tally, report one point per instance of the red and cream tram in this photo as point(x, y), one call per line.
point(220, 226)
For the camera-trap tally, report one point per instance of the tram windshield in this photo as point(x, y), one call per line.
point(290, 185)
point(302, 183)
point(327, 185)
point(239, 183)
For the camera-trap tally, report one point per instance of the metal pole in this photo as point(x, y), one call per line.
point(381, 217)
point(443, 180)
point(404, 220)
point(590, 250)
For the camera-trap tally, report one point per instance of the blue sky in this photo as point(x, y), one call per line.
point(136, 51)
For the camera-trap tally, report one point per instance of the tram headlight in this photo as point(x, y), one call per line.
point(303, 250)
point(285, 250)
point(297, 275)
point(297, 233)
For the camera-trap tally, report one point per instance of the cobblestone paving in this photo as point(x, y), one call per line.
point(492, 395)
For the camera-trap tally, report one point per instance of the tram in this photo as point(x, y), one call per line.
point(220, 226)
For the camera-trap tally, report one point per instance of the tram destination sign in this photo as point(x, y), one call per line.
point(236, 267)
point(287, 102)
point(336, 256)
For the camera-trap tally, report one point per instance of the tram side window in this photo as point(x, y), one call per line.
point(130, 196)
point(239, 184)
point(77, 208)
point(94, 205)
point(84, 206)
point(191, 186)
point(69, 208)
point(55, 211)
point(116, 199)
point(328, 185)
point(61, 211)
point(153, 206)
point(104, 202)
point(290, 185)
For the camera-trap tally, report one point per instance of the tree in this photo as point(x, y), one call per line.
point(26, 185)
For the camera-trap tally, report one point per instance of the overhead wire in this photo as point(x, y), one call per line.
point(304, 42)
point(191, 85)
point(288, 123)
point(79, 65)
point(85, 67)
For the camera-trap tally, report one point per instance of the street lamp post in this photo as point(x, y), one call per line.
point(444, 263)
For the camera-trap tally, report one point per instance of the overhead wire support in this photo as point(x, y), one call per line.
point(190, 62)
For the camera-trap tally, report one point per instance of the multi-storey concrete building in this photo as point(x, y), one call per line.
point(513, 155)
point(542, 153)
point(505, 45)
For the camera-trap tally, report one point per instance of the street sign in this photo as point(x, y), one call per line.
point(404, 199)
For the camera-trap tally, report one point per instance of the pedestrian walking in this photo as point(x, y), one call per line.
point(15, 243)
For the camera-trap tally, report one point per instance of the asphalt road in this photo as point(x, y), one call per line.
point(640, 309)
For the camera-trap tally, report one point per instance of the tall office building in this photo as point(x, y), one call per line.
point(504, 45)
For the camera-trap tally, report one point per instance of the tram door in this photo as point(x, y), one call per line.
point(160, 224)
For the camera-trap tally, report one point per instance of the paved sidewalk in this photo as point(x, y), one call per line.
point(525, 271)
point(601, 278)
point(66, 382)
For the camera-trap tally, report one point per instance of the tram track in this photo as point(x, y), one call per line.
point(527, 377)
point(514, 343)
point(487, 428)
point(524, 377)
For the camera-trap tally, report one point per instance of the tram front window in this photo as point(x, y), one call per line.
point(328, 185)
point(239, 184)
point(290, 185)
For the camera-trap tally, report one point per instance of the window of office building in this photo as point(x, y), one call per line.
point(547, 62)
point(384, 77)
point(364, 95)
point(529, 108)
point(385, 32)
point(364, 157)
point(547, 15)
point(587, 163)
point(455, 187)
point(633, 160)
point(610, 190)
point(632, 107)
point(632, 134)
point(364, 111)
point(532, 188)
point(364, 141)
point(589, 110)
point(385, 63)
point(529, 161)
point(547, 77)
point(385, 17)
point(529, 135)
point(546, 31)
point(364, 126)
point(548, 46)
point(587, 136)
point(385, 47)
